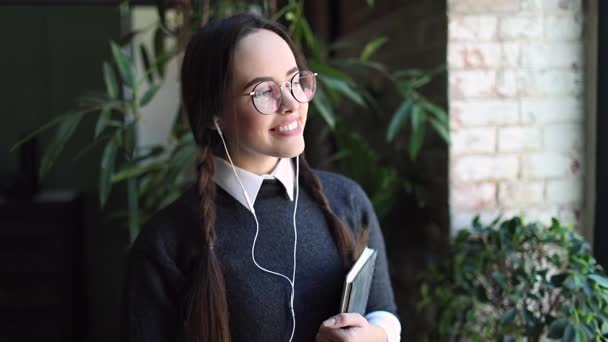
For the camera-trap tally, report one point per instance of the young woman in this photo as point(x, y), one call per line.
point(258, 249)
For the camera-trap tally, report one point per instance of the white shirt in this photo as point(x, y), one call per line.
point(284, 172)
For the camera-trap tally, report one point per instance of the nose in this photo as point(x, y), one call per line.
point(288, 103)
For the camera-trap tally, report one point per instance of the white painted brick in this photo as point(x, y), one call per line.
point(483, 6)
point(551, 110)
point(519, 139)
point(520, 27)
point(471, 83)
point(571, 215)
point(473, 196)
point(473, 140)
point(520, 194)
point(483, 55)
point(552, 54)
point(472, 28)
point(566, 137)
point(508, 83)
point(565, 191)
point(482, 112)
point(551, 82)
point(546, 165)
point(567, 27)
point(474, 55)
point(511, 52)
point(561, 5)
point(484, 168)
point(461, 219)
point(551, 6)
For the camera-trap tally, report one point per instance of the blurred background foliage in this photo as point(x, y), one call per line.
point(155, 174)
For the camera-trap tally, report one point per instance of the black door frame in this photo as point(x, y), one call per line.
point(600, 233)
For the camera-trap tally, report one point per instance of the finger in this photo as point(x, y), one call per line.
point(345, 320)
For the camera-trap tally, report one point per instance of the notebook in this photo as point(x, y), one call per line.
point(358, 282)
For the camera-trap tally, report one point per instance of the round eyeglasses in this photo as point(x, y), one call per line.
point(267, 96)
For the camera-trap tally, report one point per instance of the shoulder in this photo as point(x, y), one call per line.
point(337, 185)
point(346, 197)
point(164, 232)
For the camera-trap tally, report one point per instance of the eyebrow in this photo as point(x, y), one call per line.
point(266, 78)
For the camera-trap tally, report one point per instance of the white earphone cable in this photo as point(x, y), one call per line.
point(257, 230)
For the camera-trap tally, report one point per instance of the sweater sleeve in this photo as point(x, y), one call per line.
point(150, 302)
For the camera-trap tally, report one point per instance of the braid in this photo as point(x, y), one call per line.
point(205, 169)
point(348, 249)
point(208, 316)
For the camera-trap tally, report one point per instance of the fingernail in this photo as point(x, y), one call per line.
point(329, 322)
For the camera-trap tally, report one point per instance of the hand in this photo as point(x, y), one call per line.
point(349, 327)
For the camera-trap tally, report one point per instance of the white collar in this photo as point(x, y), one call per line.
point(224, 177)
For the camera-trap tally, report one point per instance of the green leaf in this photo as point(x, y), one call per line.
point(102, 121)
point(134, 171)
point(418, 119)
point(557, 328)
point(110, 80)
point(149, 95)
point(311, 41)
point(437, 111)
point(371, 47)
point(569, 333)
point(159, 51)
point(345, 88)
point(420, 81)
point(441, 129)
point(63, 133)
point(370, 3)
point(600, 280)
point(161, 9)
point(398, 119)
point(125, 67)
point(41, 129)
point(107, 168)
point(329, 71)
point(321, 103)
point(145, 58)
point(508, 317)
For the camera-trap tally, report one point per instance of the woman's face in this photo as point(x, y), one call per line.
point(254, 140)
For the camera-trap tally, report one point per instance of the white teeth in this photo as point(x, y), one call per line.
point(289, 127)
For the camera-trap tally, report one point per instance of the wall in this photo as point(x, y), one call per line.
point(517, 114)
point(51, 55)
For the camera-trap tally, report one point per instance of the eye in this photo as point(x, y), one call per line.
point(262, 93)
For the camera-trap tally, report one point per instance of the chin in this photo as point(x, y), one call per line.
point(291, 152)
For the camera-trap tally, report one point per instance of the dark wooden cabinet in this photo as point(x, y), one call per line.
point(42, 292)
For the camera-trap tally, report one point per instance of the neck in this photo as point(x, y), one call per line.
point(258, 166)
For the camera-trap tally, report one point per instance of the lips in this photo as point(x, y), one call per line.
point(286, 126)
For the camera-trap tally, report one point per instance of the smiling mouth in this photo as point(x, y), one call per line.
point(287, 128)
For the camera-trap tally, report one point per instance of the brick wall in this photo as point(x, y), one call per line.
point(516, 84)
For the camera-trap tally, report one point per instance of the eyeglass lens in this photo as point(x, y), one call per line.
point(267, 95)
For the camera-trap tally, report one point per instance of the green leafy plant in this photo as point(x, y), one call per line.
point(513, 281)
point(155, 175)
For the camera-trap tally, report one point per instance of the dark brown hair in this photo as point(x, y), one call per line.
point(206, 75)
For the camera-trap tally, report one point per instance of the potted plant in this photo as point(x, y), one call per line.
point(511, 281)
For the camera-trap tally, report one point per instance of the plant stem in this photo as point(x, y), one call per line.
point(133, 208)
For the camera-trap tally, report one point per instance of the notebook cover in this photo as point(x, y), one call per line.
point(356, 294)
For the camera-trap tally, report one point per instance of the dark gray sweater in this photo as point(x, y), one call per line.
point(163, 256)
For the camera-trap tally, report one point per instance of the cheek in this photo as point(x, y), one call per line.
point(303, 110)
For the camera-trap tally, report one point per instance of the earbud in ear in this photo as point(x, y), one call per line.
point(216, 123)
point(215, 126)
